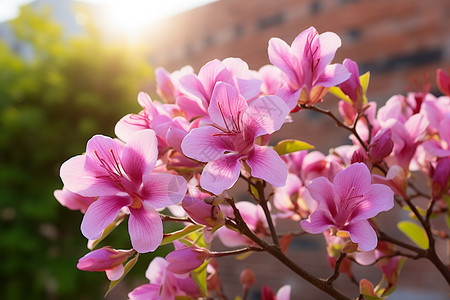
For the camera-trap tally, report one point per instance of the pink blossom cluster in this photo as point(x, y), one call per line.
point(181, 155)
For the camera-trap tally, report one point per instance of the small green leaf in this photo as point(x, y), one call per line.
point(199, 277)
point(130, 264)
point(289, 146)
point(340, 94)
point(415, 233)
point(364, 80)
point(170, 237)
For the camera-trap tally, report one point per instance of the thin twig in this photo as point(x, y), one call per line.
point(337, 265)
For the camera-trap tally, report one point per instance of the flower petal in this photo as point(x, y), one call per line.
point(226, 105)
point(353, 180)
point(145, 228)
point(79, 180)
point(115, 273)
point(221, 174)
point(203, 144)
point(162, 190)
point(289, 96)
point(317, 222)
point(379, 197)
point(362, 233)
point(265, 115)
point(192, 107)
point(329, 43)
point(213, 72)
point(193, 85)
point(267, 164)
point(281, 56)
point(145, 292)
point(321, 190)
point(128, 125)
point(333, 75)
point(101, 213)
point(156, 269)
point(139, 155)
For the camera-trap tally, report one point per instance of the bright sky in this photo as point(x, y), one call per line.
point(130, 13)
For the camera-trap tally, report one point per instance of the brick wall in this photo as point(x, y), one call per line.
point(395, 39)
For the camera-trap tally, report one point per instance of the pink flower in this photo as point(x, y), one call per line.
point(168, 84)
point(105, 259)
point(72, 200)
point(154, 116)
point(199, 89)
point(120, 176)
point(306, 66)
point(231, 139)
point(347, 203)
point(164, 284)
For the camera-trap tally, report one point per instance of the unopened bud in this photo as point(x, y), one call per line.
point(358, 157)
point(381, 146)
point(202, 212)
point(443, 81)
point(441, 177)
point(247, 278)
point(105, 259)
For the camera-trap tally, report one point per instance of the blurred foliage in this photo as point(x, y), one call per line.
point(50, 104)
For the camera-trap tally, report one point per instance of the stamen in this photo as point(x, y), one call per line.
point(223, 116)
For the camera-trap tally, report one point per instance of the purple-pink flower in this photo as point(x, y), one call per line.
point(230, 139)
point(347, 203)
point(120, 175)
point(306, 66)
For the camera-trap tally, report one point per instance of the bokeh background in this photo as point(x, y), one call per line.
point(72, 69)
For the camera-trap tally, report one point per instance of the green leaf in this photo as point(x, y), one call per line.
point(130, 264)
point(199, 277)
point(415, 233)
point(364, 80)
point(340, 94)
point(170, 237)
point(289, 146)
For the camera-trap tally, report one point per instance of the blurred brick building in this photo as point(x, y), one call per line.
point(395, 39)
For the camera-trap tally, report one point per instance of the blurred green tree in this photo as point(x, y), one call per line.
point(50, 105)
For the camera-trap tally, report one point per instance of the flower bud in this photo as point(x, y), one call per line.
point(443, 81)
point(201, 212)
point(381, 146)
point(441, 177)
point(105, 259)
point(247, 278)
point(358, 157)
point(185, 259)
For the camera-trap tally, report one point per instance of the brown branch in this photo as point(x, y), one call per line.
point(239, 224)
point(337, 265)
